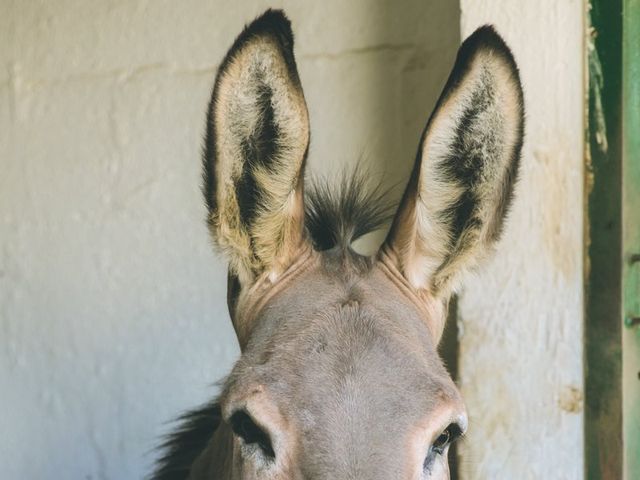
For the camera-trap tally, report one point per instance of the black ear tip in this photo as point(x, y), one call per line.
point(488, 30)
point(273, 15)
point(271, 21)
point(486, 38)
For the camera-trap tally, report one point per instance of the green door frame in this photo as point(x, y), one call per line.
point(612, 273)
point(631, 238)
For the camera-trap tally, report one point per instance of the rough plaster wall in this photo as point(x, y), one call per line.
point(112, 303)
point(521, 319)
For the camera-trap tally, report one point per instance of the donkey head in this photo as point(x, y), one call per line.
point(339, 375)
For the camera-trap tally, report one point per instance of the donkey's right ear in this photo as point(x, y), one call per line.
point(453, 209)
point(255, 149)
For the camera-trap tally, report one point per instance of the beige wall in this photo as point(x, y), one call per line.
point(521, 319)
point(112, 303)
point(112, 312)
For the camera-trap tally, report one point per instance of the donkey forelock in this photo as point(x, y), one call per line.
point(339, 375)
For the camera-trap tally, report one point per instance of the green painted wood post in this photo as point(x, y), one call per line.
point(603, 242)
point(612, 280)
point(631, 239)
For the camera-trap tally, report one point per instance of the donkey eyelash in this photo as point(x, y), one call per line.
point(445, 439)
point(254, 438)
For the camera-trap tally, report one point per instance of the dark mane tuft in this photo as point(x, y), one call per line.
point(182, 447)
point(338, 213)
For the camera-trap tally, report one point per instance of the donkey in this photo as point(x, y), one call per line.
point(339, 375)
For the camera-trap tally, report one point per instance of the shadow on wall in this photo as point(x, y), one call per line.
point(370, 92)
point(371, 87)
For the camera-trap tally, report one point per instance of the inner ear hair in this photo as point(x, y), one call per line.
point(453, 209)
point(255, 147)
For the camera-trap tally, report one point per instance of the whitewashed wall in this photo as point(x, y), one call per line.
point(112, 311)
point(521, 319)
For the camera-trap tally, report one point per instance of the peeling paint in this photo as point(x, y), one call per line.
point(596, 83)
point(571, 399)
point(589, 177)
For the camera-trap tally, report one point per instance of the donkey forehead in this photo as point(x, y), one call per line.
point(343, 331)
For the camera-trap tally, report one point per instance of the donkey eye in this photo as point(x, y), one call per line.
point(251, 434)
point(443, 440)
point(451, 433)
point(440, 444)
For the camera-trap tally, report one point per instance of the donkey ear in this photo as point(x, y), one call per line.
point(255, 149)
point(452, 211)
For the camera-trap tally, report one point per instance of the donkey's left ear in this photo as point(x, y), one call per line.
point(453, 208)
point(256, 144)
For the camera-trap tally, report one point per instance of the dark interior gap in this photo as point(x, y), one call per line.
point(449, 351)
